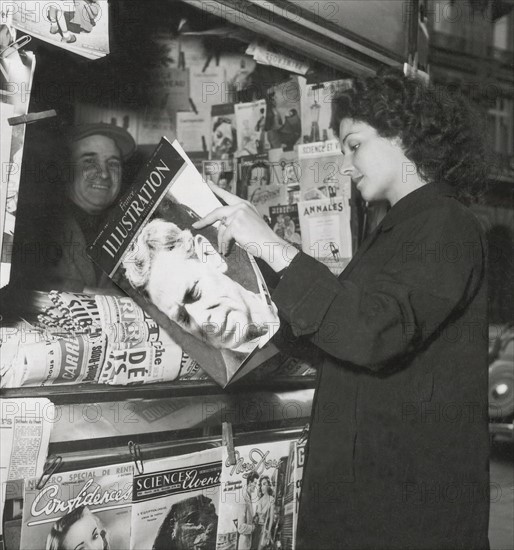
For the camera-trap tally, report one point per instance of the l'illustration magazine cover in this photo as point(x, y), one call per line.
point(217, 308)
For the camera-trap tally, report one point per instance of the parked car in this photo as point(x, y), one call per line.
point(501, 380)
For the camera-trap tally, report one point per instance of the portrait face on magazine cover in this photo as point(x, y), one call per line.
point(223, 137)
point(182, 273)
point(78, 529)
point(190, 523)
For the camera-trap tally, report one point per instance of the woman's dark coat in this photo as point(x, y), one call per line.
point(398, 447)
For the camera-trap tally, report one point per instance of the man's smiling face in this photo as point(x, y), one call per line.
point(96, 173)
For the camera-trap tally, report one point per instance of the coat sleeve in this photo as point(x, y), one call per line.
point(432, 275)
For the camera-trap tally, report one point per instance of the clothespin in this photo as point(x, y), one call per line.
point(228, 441)
point(31, 117)
point(183, 25)
point(181, 60)
point(137, 457)
point(48, 472)
point(411, 69)
point(304, 435)
point(216, 56)
point(193, 106)
point(16, 45)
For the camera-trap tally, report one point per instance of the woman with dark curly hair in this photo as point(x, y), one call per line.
point(397, 455)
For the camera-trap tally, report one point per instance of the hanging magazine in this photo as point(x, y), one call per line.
point(284, 125)
point(221, 172)
point(81, 26)
point(321, 171)
point(217, 309)
point(223, 143)
point(79, 338)
point(78, 508)
point(253, 496)
point(176, 503)
point(18, 67)
point(296, 467)
point(251, 124)
point(286, 224)
point(326, 233)
point(317, 100)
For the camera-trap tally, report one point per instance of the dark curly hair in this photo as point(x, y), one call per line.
point(442, 134)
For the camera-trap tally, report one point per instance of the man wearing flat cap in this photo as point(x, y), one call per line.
point(96, 153)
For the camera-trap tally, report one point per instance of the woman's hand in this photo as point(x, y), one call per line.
point(240, 222)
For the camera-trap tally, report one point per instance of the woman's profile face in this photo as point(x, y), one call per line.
point(377, 165)
point(84, 534)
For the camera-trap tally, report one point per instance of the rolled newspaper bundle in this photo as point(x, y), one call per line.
point(62, 360)
point(84, 338)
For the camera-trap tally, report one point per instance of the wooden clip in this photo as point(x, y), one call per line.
point(412, 71)
point(193, 106)
point(228, 441)
point(137, 457)
point(304, 435)
point(181, 60)
point(31, 117)
point(48, 472)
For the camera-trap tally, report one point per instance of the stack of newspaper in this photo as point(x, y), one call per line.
point(83, 338)
point(25, 427)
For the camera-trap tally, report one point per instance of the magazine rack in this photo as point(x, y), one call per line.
point(97, 422)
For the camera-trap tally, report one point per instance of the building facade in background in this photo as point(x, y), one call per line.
point(472, 52)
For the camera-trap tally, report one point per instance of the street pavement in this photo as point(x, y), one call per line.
point(501, 524)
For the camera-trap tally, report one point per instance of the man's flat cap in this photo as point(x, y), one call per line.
point(120, 136)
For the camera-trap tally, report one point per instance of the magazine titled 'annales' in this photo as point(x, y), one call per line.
point(217, 308)
point(326, 233)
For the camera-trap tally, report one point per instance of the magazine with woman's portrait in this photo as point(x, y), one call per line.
point(79, 509)
point(253, 507)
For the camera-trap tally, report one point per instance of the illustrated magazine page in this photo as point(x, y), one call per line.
point(176, 503)
point(216, 308)
point(253, 492)
point(80, 509)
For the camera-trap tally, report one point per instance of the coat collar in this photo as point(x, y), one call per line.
point(414, 203)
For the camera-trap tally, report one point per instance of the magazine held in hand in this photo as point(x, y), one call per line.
point(218, 309)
